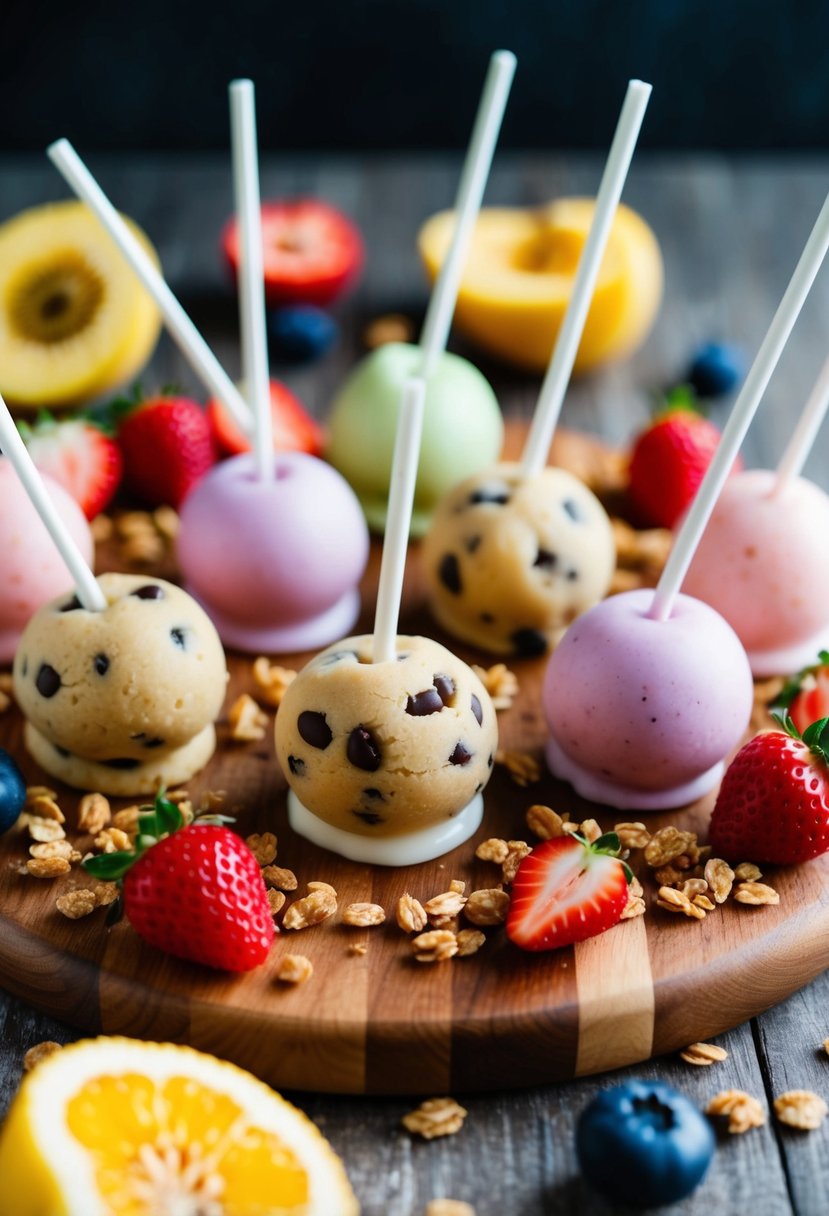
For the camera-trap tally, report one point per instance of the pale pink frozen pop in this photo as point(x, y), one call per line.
point(275, 562)
point(33, 570)
point(649, 691)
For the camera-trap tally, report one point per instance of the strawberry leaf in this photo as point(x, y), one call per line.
point(816, 738)
point(785, 723)
point(794, 685)
point(109, 867)
point(608, 843)
point(168, 816)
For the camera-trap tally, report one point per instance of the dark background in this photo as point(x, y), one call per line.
point(384, 74)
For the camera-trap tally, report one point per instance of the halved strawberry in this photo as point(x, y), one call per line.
point(294, 430)
point(312, 251)
point(567, 890)
point(78, 454)
point(806, 695)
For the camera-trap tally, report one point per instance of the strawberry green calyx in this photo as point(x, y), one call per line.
point(607, 845)
point(816, 736)
point(681, 398)
point(795, 685)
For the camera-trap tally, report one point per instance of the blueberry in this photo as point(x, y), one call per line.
point(716, 369)
point(301, 333)
point(12, 791)
point(643, 1144)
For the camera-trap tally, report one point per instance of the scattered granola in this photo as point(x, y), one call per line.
point(488, 906)
point(312, 909)
point(393, 327)
point(493, 849)
point(248, 723)
point(48, 867)
point(410, 915)
point(543, 822)
point(294, 969)
point(94, 814)
point(40, 1051)
point(517, 851)
point(755, 894)
point(449, 1207)
point(44, 806)
point(746, 871)
point(635, 905)
point(669, 876)
point(127, 819)
point(702, 901)
point(44, 830)
point(263, 848)
point(521, 766)
point(435, 946)
point(667, 845)
point(106, 893)
point(693, 886)
point(166, 521)
point(500, 683)
point(632, 835)
point(800, 1108)
point(443, 908)
point(75, 904)
point(590, 830)
point(364, 915)
point(278, 876)
point(457, 885)
point(720, 878)
point(469, 942)
point(742, 1111)
point(276, 899)
point(703, 1054)
point(826, 1046)
point(101, 528)
point(111, 840)
point(55, 848)
point(674, 901)
point(435, 1117)
point(358, 948)
point(271, 681)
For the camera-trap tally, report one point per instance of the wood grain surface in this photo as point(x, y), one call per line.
point(382, 1022)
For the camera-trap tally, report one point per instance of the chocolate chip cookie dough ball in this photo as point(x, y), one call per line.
point(122, 700)
point(386, 749)
point(511, 561)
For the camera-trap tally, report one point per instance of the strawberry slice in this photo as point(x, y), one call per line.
point(78, 454)
point(294, 430)
point(312, 251)
point(567, 890)
point(806, 695)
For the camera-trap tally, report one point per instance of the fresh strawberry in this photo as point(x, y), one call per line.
point(294, 430)
point(773, 803)
point(669, 460)
point(196, 891)
point(312, 251)
point(167, 445)
point(806, 695)
point(78, 454)
point(567, 890)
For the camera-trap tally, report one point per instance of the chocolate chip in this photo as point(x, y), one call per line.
point(449, 573)
point(297, 766)
point(47, 680)
point(479, 787)
point(490, 760)
point(477, 710)
point(445, 687)
point(362, 750)
point(546, 560)
point(373, 793)
point(486, 617)
point(461, 754)
point(338, 656)
point(422, 703)
point(24, 667)
point(572, 575)
point(122, 762)
point(71, 605)
point(498, 496)
point(179, 637)
point(101, 664)
point(369, 817)
point(150, 591)
point(528, 643)
point(472, 543)
point(151, 743)
point(314, 729)
point(573, 510)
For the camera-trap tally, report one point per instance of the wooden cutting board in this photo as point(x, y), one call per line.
point(381, 1022)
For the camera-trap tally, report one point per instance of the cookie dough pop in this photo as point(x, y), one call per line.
point(273, 545)
point(763, 561)
point(462, 427)
point(120, 682)
point(517, 551)
point(648, 692)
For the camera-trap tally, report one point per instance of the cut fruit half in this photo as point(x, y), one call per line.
point(115, 1127)
point(75, 322)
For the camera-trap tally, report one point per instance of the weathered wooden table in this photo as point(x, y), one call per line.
point(731, 231)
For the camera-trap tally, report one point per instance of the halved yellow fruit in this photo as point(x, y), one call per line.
point(115, 1127)
point(520, 271)
point(75, 322)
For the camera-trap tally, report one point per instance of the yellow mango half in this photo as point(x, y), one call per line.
point(520, 272)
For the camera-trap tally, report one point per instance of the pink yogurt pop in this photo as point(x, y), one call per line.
point(763, 563)
point(33, 570)
point(275, 562)
point(642, 713)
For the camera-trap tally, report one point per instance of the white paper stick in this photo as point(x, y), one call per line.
point(251, 271)
point(188, 339)
point(805, 433)
point(399, 518)
point(13, 447)
point(742, 413)
point(560, 368)
point(436, 326)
